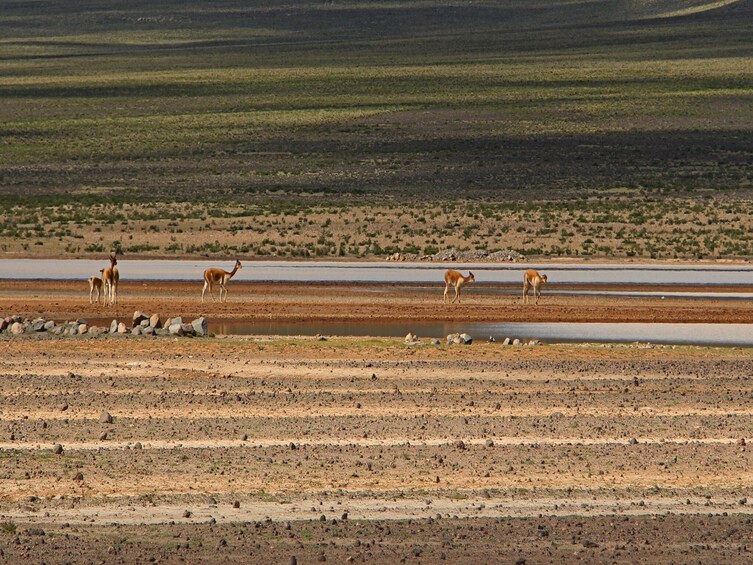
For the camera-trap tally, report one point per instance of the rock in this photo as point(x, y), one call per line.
point(49, 325)
point(149, 330)
point(459, 339)
point(175, 329)
point(155, 322)
point(410, 339)
point(460, 444)
point(632, 441)
point(171, 321)
point(236, 504)
point(113, 326)
point(188, 329)
point(105, 417)
point(82, 329)
point(435, 341)
point(507, 341)
point(138, 317)
point(78, 476)
point(200, 326)
point(516, 341)
point(489, 442)
point(94, 331)
point(122, 329)
point(138, 445)
point(293, 560)
point(57, 449)
point(137, 331)
point(38, 325)
point(743, 501)
point(589, 543)
point(144, 324)
point(64, 407)
point(186, 513)
point(16, 328)
point(4, 323)
point(103, 436)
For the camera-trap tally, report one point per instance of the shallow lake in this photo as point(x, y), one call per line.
point(559, 332)
point(292, 271)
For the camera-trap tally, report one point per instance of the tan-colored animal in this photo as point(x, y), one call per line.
point(457, 280)
point(95, 284)
point(215, 275)
point(532, 280)
point(110, 279)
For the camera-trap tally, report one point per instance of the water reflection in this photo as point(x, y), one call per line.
point(559, 332)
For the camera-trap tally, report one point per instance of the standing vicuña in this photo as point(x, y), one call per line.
point(110, 278)
point(95, 283)
point(220, 276)
point(532, 279)
point(454, 278)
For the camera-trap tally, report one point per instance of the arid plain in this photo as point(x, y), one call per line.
point(559, 129)
point(263, 448)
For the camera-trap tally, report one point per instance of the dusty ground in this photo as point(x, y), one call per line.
point(61, 300)
point(261, 449)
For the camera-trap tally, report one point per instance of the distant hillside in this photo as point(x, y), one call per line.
point(244, 100)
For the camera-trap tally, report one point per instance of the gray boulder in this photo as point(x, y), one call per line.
point(113, 326)
point(459, 339)
point(122, 329)
point(200, 326)
point(175, 329)
point(138, 317)
point(16, 328)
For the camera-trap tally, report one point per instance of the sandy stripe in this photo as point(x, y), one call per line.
point(371, 508)
point(358, 442)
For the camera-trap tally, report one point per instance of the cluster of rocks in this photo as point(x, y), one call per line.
point(470, 256)
point(452, 339)
point(516, 342)
point(141, 324)
point(465, 339)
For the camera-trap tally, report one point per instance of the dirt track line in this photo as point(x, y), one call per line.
point(370, 509)
point(404, 410)
point(359, 442)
